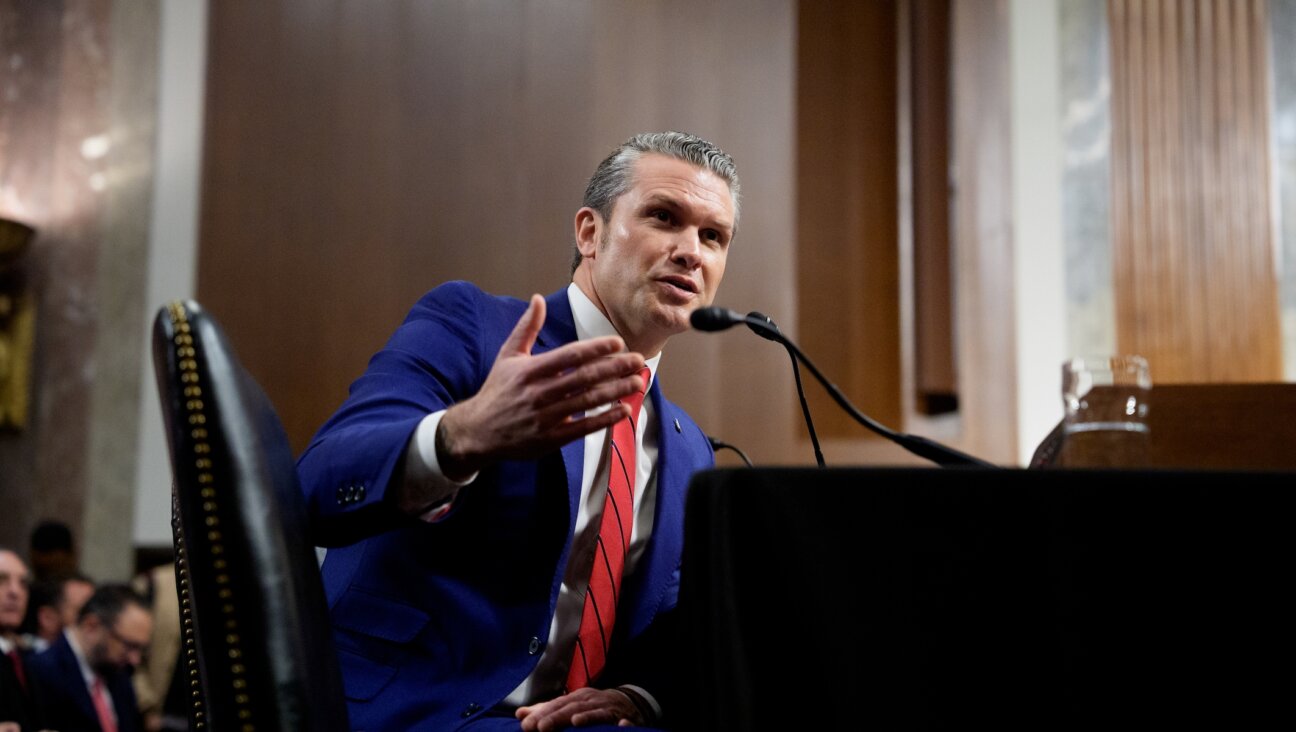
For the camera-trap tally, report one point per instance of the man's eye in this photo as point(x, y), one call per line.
point(662, 216)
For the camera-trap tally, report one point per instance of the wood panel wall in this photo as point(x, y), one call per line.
point(359, 154)
point(935, 378)
point(1192, 237)
point(848, 273)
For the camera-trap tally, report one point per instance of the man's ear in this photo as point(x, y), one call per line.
point(47, 619)
point(589, 227)
point(90, 622)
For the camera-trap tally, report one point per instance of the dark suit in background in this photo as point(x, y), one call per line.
point(19, 704)
point(65, 700)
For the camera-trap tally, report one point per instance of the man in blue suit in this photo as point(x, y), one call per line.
point(84, 677)
point(464, 483)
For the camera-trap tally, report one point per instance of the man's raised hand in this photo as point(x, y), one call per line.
point(530, 405)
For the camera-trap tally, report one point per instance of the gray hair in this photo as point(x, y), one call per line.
point(614, 175)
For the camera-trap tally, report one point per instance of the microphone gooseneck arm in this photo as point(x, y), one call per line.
point(716, 318)
point(920, 446)
point(796, 372)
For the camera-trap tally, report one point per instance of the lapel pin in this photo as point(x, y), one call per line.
point(677, 427)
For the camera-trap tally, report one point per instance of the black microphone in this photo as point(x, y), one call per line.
point(711, 319)
point(717, 318)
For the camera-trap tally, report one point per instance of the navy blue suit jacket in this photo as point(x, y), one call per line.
point(65, 701)
point(436, 623)
point(19, 704)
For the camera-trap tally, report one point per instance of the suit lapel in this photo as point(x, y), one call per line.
point(559, 329)
point(71, 671)
point(123, 700)
point(659, 561)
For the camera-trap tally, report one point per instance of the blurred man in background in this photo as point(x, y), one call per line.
point(52, 551)
point(54, 605)
point(85, 676)
point(19, 707)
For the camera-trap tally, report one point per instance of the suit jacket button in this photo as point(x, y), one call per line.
point(534, 646)
point(471, 709)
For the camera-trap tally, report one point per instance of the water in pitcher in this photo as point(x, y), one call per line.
point(1105, 445)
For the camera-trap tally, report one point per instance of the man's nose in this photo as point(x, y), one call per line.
point(688, 250)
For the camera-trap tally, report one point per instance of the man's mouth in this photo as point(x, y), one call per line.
point(680, 283)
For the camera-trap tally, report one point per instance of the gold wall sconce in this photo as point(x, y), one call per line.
point(17, 326)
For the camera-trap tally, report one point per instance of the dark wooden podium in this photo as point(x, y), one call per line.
point(1022, 599)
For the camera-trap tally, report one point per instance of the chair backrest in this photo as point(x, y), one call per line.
point(258, 650)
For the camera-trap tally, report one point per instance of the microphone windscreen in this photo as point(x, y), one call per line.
point(714, 318)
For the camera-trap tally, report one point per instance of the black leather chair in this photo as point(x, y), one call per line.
point(258, 652)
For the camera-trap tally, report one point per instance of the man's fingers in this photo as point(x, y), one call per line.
point(576, 428)
point(576, 353)
point(576, 709)
point(622, 367)
point(523, 337)
point(605, 392)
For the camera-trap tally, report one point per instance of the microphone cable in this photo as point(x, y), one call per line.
point(796, 372)
point(717, 445)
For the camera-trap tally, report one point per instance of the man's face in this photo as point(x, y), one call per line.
point(661, 254)
point(115, 646)
point(13, 591)
point(75, 592)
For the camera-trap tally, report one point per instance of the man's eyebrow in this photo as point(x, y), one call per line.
point(662, 199)
point(667, 200)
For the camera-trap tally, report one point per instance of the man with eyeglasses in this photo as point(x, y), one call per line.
point(85, 676)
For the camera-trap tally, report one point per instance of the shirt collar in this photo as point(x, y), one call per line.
point(86, 672)
point(592, 323)
point(6, 645)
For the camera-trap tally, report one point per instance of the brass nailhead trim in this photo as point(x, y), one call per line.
point(186, 358)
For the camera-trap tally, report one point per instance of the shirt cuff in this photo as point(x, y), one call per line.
point(648, 706)
point(423, 471)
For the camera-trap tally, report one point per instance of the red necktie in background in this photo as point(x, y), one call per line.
point(19, 671)
point(610, 553)
point(106, 720)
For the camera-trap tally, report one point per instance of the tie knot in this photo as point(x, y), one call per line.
point(635, 400)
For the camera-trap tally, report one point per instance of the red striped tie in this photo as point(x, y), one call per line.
point(610, 553)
